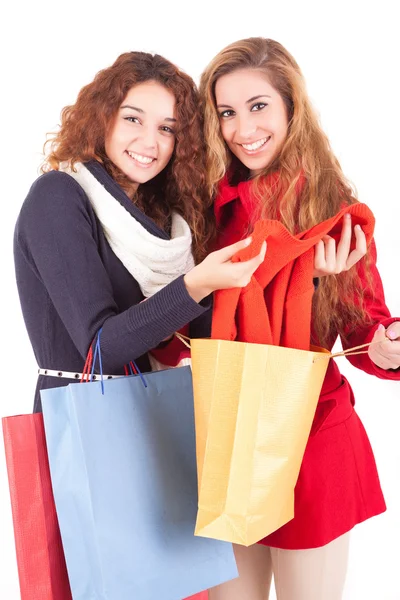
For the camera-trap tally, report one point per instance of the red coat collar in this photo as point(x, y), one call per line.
point(243, 192)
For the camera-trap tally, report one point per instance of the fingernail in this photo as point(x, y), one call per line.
point(391, 335)
point(348, 216)
point(358, 227)
point(248, 241)
point(380, 327)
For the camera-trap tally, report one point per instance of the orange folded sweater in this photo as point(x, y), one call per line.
point(275, 308)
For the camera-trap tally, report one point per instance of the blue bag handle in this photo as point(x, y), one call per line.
point(97, 353)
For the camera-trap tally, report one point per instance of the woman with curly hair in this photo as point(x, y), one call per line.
point(268, 158)
point(120, 215)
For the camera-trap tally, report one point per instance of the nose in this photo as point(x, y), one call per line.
point(246, 127)
point(149, 137)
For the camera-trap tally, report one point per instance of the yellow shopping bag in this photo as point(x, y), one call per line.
point(254, 407)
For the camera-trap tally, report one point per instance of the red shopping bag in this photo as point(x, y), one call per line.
point(41, 564)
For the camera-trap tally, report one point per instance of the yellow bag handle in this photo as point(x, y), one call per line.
point(349, 352)
point(183, 338)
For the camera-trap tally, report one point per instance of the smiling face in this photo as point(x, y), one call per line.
point(142, 139)
point(253, 117)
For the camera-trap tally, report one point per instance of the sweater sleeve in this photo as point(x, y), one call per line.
point(378, 312)
point(56, 232)
point(173, 351)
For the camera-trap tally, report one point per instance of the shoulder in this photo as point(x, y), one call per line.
point(54, 188)
point(55, 195)
point(55, 203)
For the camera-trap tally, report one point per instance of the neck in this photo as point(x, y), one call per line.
point(131, 190)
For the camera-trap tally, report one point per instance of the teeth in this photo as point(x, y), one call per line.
point(255, 145)
point(145, 160)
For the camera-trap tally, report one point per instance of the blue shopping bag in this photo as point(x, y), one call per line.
point(123, 468)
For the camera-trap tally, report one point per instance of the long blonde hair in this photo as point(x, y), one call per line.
point(306, 157)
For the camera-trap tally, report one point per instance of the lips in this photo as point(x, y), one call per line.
point(144, 161)
point(255, 147)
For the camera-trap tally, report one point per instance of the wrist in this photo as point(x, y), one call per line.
point(195, 288)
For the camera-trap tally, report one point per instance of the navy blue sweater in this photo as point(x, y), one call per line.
point(71, 283)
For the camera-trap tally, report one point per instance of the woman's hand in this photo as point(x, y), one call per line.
point(330, 260)
point(386, 354)
point(218, 272)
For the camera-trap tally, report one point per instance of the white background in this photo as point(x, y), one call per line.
point(350, 55)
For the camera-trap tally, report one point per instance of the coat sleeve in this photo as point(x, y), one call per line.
point(378, 313)
point(56, 234)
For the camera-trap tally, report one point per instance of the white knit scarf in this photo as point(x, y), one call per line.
point(153, 262)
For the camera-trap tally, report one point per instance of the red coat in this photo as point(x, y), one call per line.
point(275, 307)
point(338, 485)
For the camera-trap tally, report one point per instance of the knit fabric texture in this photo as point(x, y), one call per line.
point(275, 308)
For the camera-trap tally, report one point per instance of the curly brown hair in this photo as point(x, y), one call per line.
point(306, 156)
point(181, 186)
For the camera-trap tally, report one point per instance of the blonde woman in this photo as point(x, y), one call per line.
point(268, 157)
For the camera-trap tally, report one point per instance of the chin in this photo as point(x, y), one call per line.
point(256, 166)
point(140, 178)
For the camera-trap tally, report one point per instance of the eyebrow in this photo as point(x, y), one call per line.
point(141, 111)
point(247, 101)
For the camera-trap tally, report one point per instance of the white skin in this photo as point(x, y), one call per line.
point(140, 143)
point(142, 139)
point(254, 126)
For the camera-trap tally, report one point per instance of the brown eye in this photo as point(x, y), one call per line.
point(258, 106)
point(226, 113)
point(167, 129)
